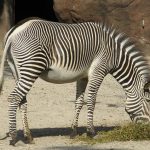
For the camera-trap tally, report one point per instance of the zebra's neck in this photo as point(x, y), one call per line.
point(132, 70)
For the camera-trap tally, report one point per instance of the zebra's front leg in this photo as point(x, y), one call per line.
point(80, 90)
point(27, 133)
point(95, 79)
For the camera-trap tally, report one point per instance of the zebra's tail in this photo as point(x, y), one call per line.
point(6, 48)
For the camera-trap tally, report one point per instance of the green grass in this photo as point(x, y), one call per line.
point(131, 131)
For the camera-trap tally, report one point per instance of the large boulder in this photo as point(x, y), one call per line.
point(6, 19)
point(130, 16)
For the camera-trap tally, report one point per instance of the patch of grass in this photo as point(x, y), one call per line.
point(127, 132)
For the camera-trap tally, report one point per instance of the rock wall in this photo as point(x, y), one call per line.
point(6, 19)
point(130, 16)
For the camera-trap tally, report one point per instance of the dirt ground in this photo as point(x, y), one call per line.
point(50, 113)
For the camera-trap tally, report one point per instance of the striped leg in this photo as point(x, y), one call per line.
point(14, 100)
point(81, 86)
point(18, 97)
point(95, 80)
point(27, 133)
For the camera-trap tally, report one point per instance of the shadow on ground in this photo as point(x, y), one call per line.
point(61, 131)
point(43, 132)
point(81, 148)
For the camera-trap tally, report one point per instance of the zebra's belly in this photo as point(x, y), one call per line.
point(61, 76)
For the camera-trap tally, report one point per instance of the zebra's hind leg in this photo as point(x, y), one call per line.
point(80, 90)
point(27, 133)
point(15, 99)
point(25, 76)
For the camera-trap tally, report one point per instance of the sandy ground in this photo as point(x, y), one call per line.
point(50, 113)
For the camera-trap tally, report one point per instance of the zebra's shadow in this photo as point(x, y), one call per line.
point(64, 131)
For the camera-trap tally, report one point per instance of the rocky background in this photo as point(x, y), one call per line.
point(6, 19)
point(129, 16)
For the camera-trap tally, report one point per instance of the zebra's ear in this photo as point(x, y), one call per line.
point(147, 87)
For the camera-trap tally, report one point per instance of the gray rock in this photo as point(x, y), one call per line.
point(129, 16)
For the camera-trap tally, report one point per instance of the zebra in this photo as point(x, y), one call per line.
point(82, 52)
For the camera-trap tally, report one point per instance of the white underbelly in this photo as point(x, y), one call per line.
point(58, 75)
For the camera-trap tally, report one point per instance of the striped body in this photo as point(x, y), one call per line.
point(86, 53)
point(72, 42)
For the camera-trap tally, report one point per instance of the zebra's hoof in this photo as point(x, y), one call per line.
point(73, 134)
point(29, 140)
point(14, 138)
point(91, 134)
point(13, 142)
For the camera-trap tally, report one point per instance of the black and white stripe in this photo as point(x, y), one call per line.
point(85, 53)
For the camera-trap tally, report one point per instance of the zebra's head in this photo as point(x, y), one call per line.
point(132, 71)
point(138, 107)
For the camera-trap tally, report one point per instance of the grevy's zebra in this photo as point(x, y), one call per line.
point(85, 53)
